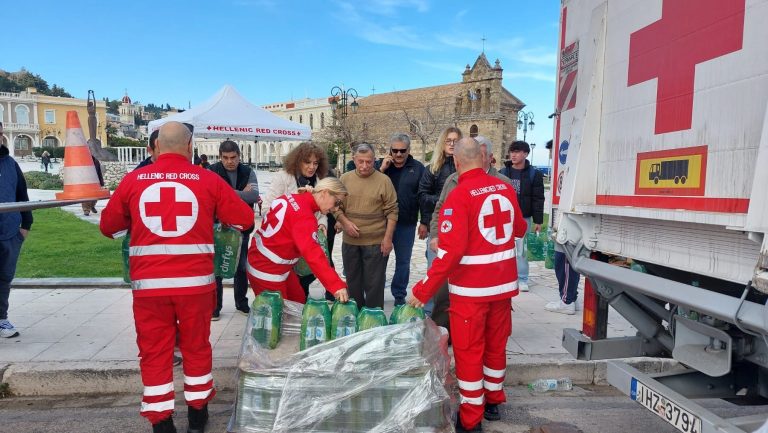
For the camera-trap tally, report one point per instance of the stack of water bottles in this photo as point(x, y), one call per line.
point(355, 371)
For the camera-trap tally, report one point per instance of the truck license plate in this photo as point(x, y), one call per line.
point(667, 409)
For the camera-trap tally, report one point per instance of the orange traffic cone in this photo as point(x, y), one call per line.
point(80, 178)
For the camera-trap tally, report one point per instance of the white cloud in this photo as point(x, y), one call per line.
point(390, 7)
point(379, 33)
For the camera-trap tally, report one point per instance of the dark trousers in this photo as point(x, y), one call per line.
point(9, 256)
point(567, 278)
point(402, 241)
point(440, 309)
point(241, 279)
point(366, 269)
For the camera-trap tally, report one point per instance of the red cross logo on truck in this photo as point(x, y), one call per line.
point(689, 32)
point(168, 209)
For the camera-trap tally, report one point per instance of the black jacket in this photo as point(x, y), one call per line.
point(407, 190)
point(531, 195)
point(243, 174)
point(430, 187)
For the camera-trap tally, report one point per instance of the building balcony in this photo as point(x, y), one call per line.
point(23, 96)
point(22, 127)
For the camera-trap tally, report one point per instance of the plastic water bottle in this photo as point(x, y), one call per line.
point(544, 385)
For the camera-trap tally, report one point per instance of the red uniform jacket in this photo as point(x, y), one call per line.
point(478, 224)
point(288, 231)
point(169, 208)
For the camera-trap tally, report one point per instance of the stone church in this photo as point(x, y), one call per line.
point(478, 105)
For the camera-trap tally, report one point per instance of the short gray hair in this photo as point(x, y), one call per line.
point(484, 141)
point(363, 148)
point(400, 137)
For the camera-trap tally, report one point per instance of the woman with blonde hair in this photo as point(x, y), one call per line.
point(304, 166)
point(289, 231)
point(431, 184)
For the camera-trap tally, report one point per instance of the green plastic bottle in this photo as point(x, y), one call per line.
point(266, 318)
point(226, 250)
point(535, 247)
point(406, 313)
point(126, 258)
point(302, 268)
point(371, 318)
point(549, 260)
point(315, 323)
point(343, 319)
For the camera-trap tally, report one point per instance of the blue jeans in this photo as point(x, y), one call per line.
point(431, 255)
point(522, 258)
point(9, 256)
point(402, 241)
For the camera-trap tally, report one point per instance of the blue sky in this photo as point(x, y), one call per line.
point(179, 52)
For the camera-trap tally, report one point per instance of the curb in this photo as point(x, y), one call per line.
point(79, 283)
point(123, 377)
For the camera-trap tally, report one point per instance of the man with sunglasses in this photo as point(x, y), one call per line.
point(404, 172)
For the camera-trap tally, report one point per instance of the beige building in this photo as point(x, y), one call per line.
point(34, 120)
point(52, 114)
point(479, 104)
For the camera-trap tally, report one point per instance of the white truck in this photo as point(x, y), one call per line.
point(661, 160)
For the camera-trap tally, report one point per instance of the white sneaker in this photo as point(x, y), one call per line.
point(561, 307)
point(523, 286)
point(7, 330)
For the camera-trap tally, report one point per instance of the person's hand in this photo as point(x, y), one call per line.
point(24, 233)
point(323, 229)
point(386, 246)
point(351, 229)
point(537, 228)
point(338, 227)
point(433, 245)
point(423, 231)
point(413, 302)
point(385, 163)
point(341, 295)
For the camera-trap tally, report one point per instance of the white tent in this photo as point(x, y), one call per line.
point(228, 115)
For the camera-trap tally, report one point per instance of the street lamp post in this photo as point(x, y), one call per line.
point(525, 122)
point(340, 103)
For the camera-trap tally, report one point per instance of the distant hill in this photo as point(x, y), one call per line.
point(15, 82)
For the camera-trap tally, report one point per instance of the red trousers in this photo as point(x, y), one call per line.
point(158, 320)
point(479, 331)
point(290, 289)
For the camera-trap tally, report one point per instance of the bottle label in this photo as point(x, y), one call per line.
point(320, 333)
point(268, 325)
point(258, 322)
point(309, 334)
point(551, 384)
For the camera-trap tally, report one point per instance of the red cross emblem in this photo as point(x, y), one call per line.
point(689, 32)
point(497, 219)
point(168, 209)
point(274, 218)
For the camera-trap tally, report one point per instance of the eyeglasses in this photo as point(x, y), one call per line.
point(399, 150)
point(450, 141)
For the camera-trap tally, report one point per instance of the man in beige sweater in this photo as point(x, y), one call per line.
point(368, 219)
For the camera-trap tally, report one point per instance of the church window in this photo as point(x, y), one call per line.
point(50, 117)
point(301, 118)
point(311, 121)
point(473, 131)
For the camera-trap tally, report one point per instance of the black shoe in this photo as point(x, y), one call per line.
point(460, 427)
point(176, 360)
point(245, 309)
point(399, 301)
point(215, 316)
point(198, 418)
point(491, 412)
point(164, 426)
